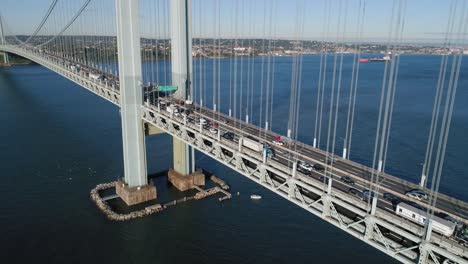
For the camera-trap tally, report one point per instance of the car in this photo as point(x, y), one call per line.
point(228, 135)
point(368, 195)
point(318, 167)
point(413, 195)
point(391, 198)
point(305, 165)
point(356, 192)
point(213, 130)
point(278, 142)
point(324, 179)
point(417, 194)
point(203, 121)
point(224, 120)
point(347, 179)
point(304, 171)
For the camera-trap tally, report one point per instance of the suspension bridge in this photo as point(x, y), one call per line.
point(364, 201)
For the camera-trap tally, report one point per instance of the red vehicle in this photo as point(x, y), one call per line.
point(277, 141)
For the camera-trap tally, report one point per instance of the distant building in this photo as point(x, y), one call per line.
point(241, 49)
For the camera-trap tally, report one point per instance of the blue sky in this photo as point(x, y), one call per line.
point(424, 19)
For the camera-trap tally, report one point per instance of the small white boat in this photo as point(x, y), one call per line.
point(255, 197)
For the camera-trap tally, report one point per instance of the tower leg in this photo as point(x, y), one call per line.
point(6, 60)
point(134, 189)
point(181, 61)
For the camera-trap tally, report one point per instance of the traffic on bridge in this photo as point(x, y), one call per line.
point(410, 222)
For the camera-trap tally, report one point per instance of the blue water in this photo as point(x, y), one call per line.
point(414, 99)
point(58, 141)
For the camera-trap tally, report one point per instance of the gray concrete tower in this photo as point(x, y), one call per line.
point(131, 94)
point(181, 63)
point(2, 42)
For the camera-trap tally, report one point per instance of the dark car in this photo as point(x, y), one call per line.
point(228, 135)
point(347, 180)
point(356, 193)
point(318, 167)
point(391, 198)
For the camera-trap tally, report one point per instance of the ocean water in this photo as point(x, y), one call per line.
point(57, 141)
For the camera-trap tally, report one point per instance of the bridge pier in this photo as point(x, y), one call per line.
point(135, 188)
point(6, 60)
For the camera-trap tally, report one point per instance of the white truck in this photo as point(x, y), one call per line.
point(254, 145)
point(420, 216)
point(95, 76)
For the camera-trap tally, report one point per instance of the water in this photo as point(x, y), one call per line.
point(58, 141)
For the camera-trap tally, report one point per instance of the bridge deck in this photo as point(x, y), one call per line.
point(305, 191)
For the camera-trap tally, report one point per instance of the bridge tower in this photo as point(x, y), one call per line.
point(134, 189)
point(181, 67)
point(6, 60)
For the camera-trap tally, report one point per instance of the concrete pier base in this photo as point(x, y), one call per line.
point(135, 195)
point(186, 182)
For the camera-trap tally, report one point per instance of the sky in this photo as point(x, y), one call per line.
point(424, 20)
